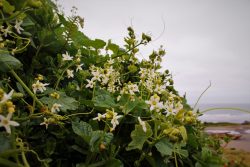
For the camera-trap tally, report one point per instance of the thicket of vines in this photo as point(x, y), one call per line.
point(68, 100)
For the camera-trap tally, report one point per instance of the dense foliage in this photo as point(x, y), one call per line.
point(68, 100)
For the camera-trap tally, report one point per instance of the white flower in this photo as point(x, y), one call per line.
point(143, 72)
point(70, 73)
point(114, 120)
point(56, 107)
point(45, 122)
point(159, 88)
point(79, 67)
point(111, 61)
point(173, 108)
point(6, 122)
point(6, 96)
point(18, 26)
point(90, 83)
point(96, 75)
point(6, 31)
point(132, 88)
point(142, 123)
point(39, 86)
point(178, 106)
point(67, 57)
point(155, 103)
point(118, 98)
point(105, 79)
point(99, 117)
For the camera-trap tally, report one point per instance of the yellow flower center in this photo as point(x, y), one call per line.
point(5, 121)
point(154, 103)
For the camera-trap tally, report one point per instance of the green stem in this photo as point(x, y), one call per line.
point(101, 163)
point(119, 55)
point(26, 88)
point(26, 164)
point(175, 159)
point(201, 95)
point(225, 108)
point(155, 129)
point(80, 113)
point(60, 77)
point(8, 163)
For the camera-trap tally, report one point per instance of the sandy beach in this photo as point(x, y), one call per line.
point(236, 150)
point(243, 143)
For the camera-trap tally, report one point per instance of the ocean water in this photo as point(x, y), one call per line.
point(225, 115)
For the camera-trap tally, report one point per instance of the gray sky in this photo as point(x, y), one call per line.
point(205, 40)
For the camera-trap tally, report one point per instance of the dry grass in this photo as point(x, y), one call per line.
point(237, 158)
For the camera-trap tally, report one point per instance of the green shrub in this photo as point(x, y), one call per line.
point(68, 100)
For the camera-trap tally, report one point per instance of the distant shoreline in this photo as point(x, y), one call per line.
point(229, 128)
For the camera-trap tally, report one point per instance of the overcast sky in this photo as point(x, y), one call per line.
point(205, 40)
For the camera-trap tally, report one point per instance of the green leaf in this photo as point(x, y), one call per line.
point(8, 163)
point(127, 104)
point(99, 137)
point(20, 88)
point(98, 43)
point(83, 129)
point(183, 133)
point(4, 142)
point(139, 137)
point(103, 99)
point(50, 146)
point(95, 140)
point(130, 106)
point(164, 147)
point(181, 152)
point(107, 138)
point(7, 7)
point(9, 62)
point(79, 38)
point(114, 163)
point(112, 47)
point(68, 103)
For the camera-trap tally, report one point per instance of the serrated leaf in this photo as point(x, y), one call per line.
point(95, 140)
point(79, 38)
point(112, 47)
point(68, 103)
point(20, 88)
point(130, 106)
point(164, 147)
point(98, 44)
point(180, 151)
point(4, 143)
point(108, 137)
point(99, 137)
point(9, 62)
point(7, 7)
point(139, 137)
point(50, 146)
point(83, 129)
point(103, 99)
point(114, 163)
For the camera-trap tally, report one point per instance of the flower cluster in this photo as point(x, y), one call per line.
point(6, 106)
point(13, 29)
point(110, 115)
point(66, 57)
point(108, 77)
point(130, 89)
point(152, 80)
